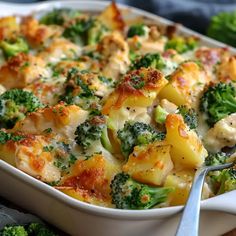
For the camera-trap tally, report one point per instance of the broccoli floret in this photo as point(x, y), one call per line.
point(96, 32)
point(223, 28)
point(149, 60)
point(126, 193)
point(138, 30)
point(215, 159)
point(221, 181)
point(227, 180)
point(181, 44)
point(137, 133)
point(37, 229)
point(78, 30)
point(59, 16)
point(14, 230)
point(33, 229)
point(189, 115)
point(14, 104)
point(218, 101)
point(90, 131)
point(77, 91)
point(12, 47)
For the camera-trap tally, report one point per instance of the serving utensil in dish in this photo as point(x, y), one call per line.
point(79, 218)
point(190, 219)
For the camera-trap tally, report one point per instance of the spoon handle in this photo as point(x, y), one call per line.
point(190, 219)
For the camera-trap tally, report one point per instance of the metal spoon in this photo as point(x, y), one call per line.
point(189, 222)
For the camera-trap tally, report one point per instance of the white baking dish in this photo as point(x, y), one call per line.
point(81, 219)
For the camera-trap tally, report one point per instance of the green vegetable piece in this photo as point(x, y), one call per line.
point(96, 32)
point(218, 101)
point(15, 104)
point(137, 133)
point(223, 28)
point(137, 82)
point(154, 60)
point(77, 91)
point(189, 115)
point(227, 180)
point(59, 16)
point(12, 48)
point(221, 181)
point(138, 30)
point(89, 131)
point(160, 115)
point(181, 44)
point(77, 32)
point(132, 56)
point(14, 230)
point(5, 137)
point(128, 194)
point(37, 229)
point(214, 159)
point(106, 141)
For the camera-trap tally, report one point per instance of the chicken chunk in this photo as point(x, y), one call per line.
point(30, 156)
point(63, 120)
point(223, 134)
point(21, 70)
point(115, 55)
point(38, 34)
point(60, 49)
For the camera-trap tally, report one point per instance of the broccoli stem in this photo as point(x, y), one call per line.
point(106, 141)
point(160, 115)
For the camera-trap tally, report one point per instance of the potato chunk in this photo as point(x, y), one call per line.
point(226, 71)
point(139, 88)
point(90, 179)
point(181, 181)
point(187, 149)
point(150, 163)
point(185, 85)
point(112, 17)
point(8, 27)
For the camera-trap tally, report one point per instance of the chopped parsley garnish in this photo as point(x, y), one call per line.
point(48, 131)
point(48, 148)
point(137, 82)
point(5, 137)
point(72, 159)
point(105, 80)
point(54, 183)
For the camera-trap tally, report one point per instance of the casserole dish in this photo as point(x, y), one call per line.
point(78, 218)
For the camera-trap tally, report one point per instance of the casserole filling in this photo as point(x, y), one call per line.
point(115, 113)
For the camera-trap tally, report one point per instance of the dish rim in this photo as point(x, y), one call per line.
point(62, 197)
point(90, 208)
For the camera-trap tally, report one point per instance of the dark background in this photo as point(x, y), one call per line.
point(194, 14)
